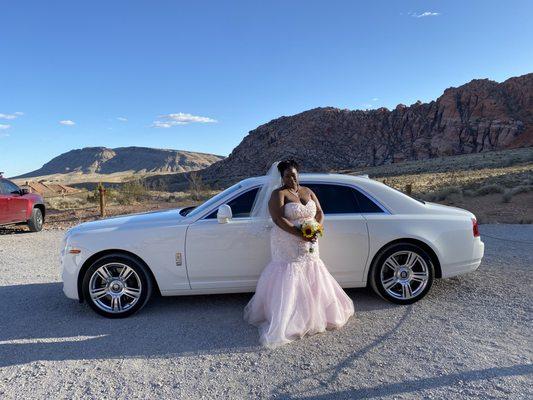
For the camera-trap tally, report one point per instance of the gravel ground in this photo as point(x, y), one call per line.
point(469, 338)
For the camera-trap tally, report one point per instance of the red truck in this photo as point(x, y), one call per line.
point(19, 206)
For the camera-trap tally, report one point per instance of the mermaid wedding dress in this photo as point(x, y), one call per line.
point(295, 294)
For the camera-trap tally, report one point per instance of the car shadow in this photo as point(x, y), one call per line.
point(40, 323)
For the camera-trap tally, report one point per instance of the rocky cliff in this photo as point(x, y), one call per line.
point(479, 116)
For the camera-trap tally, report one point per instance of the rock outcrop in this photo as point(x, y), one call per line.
point(479, 116)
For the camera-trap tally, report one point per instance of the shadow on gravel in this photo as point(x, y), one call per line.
point(426, 383)
point(40, 323)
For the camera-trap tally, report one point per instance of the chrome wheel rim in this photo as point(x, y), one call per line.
point(404, 275)
point(39, 219)
point(115, 287)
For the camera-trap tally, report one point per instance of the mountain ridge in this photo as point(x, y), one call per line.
point(481, 115)
point(105, 160)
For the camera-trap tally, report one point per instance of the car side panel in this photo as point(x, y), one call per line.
point(4, 214)
point(156, 247)
point(449, 236)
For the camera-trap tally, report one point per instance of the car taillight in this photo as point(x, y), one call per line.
point(475, 228)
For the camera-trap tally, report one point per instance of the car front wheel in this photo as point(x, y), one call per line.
point(36, 221)
point(403, 273)
point(116, 286)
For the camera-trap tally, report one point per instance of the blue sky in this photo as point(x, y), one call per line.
point(200, 75)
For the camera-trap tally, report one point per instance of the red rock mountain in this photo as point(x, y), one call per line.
point(479, 116)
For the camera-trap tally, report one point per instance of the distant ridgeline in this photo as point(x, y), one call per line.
point(479, 116)
point(101, 160)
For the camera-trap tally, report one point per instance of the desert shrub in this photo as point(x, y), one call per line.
point(490, 189)
point(65, 203)
point(508, 195)
point(450, 192)
point(469, 193)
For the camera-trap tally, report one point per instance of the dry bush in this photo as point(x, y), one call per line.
point(65, 203)
point(490, 189)
point(508, 195)
point(448, 193)
point(196, 186)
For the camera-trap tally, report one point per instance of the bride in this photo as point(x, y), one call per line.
point(295, 294)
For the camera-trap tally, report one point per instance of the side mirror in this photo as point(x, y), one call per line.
point(224, 214)
point(24, 192)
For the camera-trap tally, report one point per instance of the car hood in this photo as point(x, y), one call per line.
point(141, 220)
point(443, 209)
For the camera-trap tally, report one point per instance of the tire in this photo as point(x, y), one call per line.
point(36, 221)
point(393, 280)
point(120, 286)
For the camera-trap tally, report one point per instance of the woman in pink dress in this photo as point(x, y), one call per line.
point(295, 294)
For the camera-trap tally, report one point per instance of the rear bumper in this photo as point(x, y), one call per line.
point(469, 265)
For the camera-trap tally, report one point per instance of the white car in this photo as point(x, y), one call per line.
point(373, 235)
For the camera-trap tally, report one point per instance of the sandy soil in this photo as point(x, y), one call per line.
point(470, 338)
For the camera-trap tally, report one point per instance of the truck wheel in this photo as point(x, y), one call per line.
point(36, 220)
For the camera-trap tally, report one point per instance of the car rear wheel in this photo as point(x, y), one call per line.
point(36, 221)
point(403, 273)
point(117, 286)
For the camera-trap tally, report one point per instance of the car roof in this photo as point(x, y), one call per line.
point(313, 177)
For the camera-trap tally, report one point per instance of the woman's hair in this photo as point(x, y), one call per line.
point(286, 164)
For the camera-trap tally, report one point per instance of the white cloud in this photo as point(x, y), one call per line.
point(375, 98)
point(19, 113)
point(8, 116)
point(170, 120)
point(122, 119)
point(3, 127)
point(67, 122)
point(424, 14)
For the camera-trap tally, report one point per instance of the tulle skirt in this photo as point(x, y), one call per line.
point(294, 299)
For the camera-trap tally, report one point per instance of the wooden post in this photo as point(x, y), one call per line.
point(101, 190)
point(408, 188)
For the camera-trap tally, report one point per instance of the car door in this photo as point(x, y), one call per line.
point(4, 200)
point(227, 256)
point(345, 244)
point(17, 204)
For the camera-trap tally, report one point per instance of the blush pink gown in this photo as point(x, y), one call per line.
point(296, 295)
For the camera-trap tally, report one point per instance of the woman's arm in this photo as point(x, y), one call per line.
point(275, 207)
point(319, 216)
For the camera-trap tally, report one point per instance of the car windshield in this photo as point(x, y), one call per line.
point(213, 200)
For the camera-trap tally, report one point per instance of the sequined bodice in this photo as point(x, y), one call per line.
point(286, 247)
point(298, 212)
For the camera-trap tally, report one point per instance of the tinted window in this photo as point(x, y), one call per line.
point(205, 206)
point(241, 205)
point(7, 187)
point(365, 204)
point(338, 199)
point(335, 199)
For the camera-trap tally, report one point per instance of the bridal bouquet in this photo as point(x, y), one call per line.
point(311, 229)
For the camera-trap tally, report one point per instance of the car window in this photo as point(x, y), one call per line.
point(240, 206)
point(7, 187)
point(205, 206)
point(366, 205)
point(11, 187)
point(335, 199)
point(340, 199)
